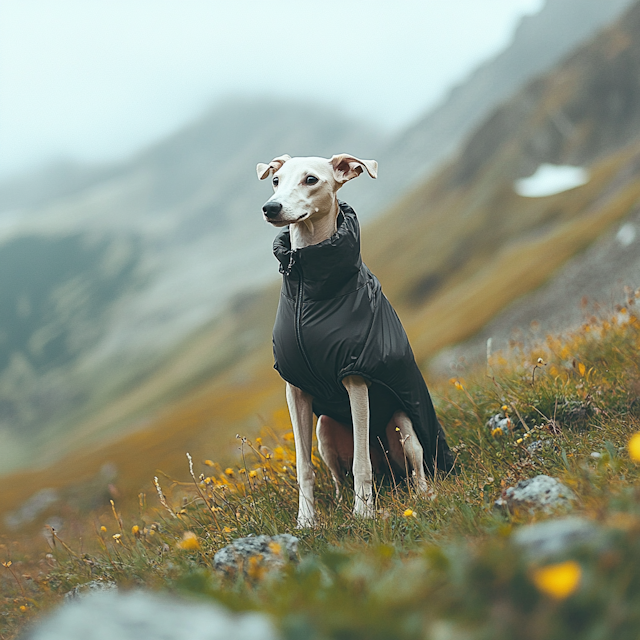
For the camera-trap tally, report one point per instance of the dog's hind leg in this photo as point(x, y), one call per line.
point(358, 391)
point(404, 447)
point(335, 444)
point(301, 412)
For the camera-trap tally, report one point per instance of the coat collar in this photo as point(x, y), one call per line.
point(329, 264)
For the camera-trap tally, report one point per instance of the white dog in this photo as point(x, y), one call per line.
point(339, 344)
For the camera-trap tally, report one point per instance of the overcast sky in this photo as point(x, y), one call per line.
point(97, 79)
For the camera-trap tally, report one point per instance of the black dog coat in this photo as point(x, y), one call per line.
point(333, 321)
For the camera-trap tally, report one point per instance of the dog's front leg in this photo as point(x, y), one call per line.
point(358, 391)
point(301, 412)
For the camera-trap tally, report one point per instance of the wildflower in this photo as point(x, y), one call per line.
point(209, 463)
point(558, 580)
point(581, 368)
point(519, 441)
point(189, 542)
point(504, 407)
point(228, 530)
point(116, 537)
point(497, 432)
point(409, 513)
point(254, 473)
point(540, 361)
point(7, 564)
point(135, 530)
point(243, 471)
point(23, 608)
point(275, 548)
point(103, 529)
point(634, 447)
point(229, 472)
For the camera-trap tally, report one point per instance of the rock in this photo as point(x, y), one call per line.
point(88, 588)
point(595, 455)
point(136, 615)
point(255, 554)
point(499, 421)
point(541, 493)
point(556, 537)
point(537, 446)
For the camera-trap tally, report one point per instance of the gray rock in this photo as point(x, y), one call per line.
point(541, 493)
point(137, 615)
point(556, 537)
point(257, 553)
point(499, 421)
point(88, 588)
point(537, 446)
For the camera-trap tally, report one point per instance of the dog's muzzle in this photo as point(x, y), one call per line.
point(271, 209)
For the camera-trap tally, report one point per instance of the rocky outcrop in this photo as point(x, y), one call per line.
point(542, 493)
point(255, 555)
point(138, 615)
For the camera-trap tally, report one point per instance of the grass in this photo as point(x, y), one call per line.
point(437, 566)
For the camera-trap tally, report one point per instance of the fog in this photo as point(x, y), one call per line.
point(95, 81)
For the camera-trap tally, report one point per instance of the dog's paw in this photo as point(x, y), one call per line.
point(364, 508)
point(306, 518)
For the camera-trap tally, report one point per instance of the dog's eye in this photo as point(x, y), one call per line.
point(275, 182)
point(311, 180)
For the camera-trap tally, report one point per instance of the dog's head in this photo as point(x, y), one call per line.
point(306, 187)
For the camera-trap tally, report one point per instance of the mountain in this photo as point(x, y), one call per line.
point(539, 43)
point(105, 269)
point(452, 255)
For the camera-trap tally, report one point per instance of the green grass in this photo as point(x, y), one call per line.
point(442, 566)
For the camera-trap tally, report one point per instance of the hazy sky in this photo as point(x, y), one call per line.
point(97, 79)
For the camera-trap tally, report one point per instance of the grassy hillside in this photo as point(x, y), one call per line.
point(446, 565)
point(450, 255)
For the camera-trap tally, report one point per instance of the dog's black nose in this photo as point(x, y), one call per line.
point(271, 209)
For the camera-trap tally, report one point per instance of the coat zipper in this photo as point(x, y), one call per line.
point(298, 322)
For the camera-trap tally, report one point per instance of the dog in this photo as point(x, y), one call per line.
point(338, 343)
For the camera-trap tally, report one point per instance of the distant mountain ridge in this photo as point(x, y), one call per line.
point(105, 269)
point(175, 233)
point(540, 41)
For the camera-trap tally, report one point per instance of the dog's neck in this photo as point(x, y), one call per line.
point(315, 229)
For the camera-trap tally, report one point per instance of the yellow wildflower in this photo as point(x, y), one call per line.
point(253, 473)
point(209, 463)
point(229, 471)
point(581, 368)
point(504, 407)
point(409, 513)
point(135, 530)
point(634, 447)
point(275, 548)
point(558, 580)
point(497, 432)
point(23, 608)
point(189, 542)
point(103, 529)
point(519, 441)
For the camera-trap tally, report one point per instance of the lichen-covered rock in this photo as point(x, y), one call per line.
point(542, 493)
point(254, 555)
point(556, 537)
point(137, 615)
point(499, 422)
point(88, 588)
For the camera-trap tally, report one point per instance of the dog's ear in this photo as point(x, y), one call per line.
point(265, 170)
point(346, 167)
